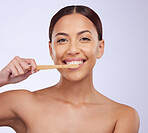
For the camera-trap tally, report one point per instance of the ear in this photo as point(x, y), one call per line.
point(100, 49)
point(50, 50)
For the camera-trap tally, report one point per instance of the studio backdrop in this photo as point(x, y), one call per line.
point(121, 74)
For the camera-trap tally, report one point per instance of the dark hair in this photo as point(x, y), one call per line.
point(86, 11)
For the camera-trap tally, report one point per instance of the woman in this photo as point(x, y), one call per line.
point(72, 105)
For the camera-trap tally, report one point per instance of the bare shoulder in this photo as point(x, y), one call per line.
point(127, 119)
point(121, 110)
point(16, 98)
point(16, 95)
point(12, 103)
point(127, 112)
point(22, 102)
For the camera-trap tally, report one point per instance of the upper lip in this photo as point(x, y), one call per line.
point(74, 59)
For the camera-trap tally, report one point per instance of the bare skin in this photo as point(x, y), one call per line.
point(72, 105)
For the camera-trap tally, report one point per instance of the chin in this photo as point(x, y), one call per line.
point(74, 77)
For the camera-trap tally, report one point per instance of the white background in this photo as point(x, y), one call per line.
point(121, 74)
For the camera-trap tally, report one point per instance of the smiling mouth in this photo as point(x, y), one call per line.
point(73, 62)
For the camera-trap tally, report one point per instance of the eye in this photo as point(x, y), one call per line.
point(62, 40)
point(85, 39)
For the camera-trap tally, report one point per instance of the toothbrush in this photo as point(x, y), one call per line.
point(43, 67)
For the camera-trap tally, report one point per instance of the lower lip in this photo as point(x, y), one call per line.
point(77, 67)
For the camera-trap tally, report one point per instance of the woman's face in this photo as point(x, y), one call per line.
point(75, 40)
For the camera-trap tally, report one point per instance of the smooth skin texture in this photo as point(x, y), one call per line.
point(72, 105)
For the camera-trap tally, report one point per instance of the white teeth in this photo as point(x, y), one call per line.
point(74, 62)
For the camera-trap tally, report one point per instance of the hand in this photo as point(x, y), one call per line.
point(17, 70)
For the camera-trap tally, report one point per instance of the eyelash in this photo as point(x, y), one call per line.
point(62, 40)
point(85, 39)
point(65, 40)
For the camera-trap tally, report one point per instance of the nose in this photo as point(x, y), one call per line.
point(73, 49)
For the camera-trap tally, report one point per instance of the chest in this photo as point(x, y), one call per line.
point(56, 119)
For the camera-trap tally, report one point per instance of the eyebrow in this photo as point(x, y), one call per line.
point(79, 33)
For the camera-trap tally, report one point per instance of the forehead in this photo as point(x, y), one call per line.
point(73, 23)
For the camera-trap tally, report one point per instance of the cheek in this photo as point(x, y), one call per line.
point(96, 51)
point(90, 51)
point(58, 52)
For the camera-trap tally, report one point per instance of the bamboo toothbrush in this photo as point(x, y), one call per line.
point(43, 67)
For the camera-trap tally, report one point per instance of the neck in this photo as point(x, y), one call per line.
point(76, 92)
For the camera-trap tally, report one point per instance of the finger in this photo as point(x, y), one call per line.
point(13, 71)
point(18, 67)
point(26, 75)
point(32, 63)
point(36, 71)
point(23, 64)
